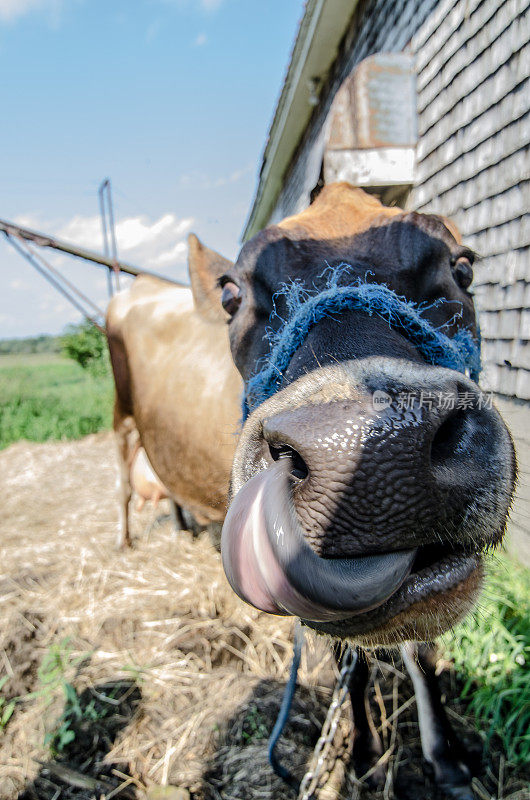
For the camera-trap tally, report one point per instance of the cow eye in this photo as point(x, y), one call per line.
point(231, 297)
point(463, 272)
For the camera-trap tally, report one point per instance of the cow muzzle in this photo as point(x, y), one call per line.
point(269, 563)
point(344, 510)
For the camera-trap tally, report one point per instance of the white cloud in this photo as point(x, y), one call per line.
point(206, 182)
point(207, 6)
point(7, 319)
point(18, 285)
point(158, 245)
point(154, 244)
point(12, 9)
point(152, 31)
point(28, 305)
point(234, 176)
point(200, 40)
point(211, 5)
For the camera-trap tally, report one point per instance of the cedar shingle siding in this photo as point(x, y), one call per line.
point(473, 160)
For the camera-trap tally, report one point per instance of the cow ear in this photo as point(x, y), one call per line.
point(206, 267)
point(453, 230)
point(450, 225)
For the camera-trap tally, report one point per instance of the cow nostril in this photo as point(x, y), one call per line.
point(450, 438)
point(299, 468)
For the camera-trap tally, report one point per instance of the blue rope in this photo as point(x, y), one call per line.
point(283, 714)
point(307, 307)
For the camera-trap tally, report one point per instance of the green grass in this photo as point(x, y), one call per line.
point(29, 359)
point(46, 396)
point(491, 652)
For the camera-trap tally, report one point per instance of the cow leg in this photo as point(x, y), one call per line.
point(191, 523)
point(123, 427)
point(440, 747)
point(366, 748)
point(177, 517)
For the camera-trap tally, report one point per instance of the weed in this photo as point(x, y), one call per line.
point(491, 653)
point(254, 727)
point(55, 664)
point(6, 706)
point(74, 714)
point(52, 674)
point(136, 673)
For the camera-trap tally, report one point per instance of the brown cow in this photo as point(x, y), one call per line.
point(369, 522)
point(177, 385)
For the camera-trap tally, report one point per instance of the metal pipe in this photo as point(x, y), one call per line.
point(44, 240)
point(61, 278)
point(109, 231)
point(25, 253)
point(105, 237)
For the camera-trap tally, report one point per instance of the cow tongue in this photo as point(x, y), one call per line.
point(270, 565)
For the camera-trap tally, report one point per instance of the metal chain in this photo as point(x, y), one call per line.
point(311, 778)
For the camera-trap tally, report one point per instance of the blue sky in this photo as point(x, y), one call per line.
point(172, 99)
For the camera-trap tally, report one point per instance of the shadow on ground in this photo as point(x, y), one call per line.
point(84, 734)
point(239, 768)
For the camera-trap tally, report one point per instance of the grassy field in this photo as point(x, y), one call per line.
point(45, 396)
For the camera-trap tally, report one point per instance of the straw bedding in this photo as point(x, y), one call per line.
point(197, 675)
point(162, 614)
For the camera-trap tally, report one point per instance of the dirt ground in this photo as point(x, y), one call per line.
point(140, 669)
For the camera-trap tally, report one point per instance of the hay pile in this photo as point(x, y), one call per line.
point(161, 614)
point(176, 680)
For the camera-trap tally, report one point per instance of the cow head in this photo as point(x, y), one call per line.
point(368, 521)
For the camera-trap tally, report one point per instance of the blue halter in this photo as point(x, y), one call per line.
point(306, 307)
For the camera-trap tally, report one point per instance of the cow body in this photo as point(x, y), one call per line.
point(176, 384)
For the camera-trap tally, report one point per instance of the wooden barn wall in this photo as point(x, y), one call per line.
point(473, 163)
point(473, 156)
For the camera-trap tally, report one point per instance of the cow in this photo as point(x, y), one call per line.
point(367, 520)
point(176, 385)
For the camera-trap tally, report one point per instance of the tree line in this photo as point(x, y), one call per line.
point(31, 344)
point(83, 343)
